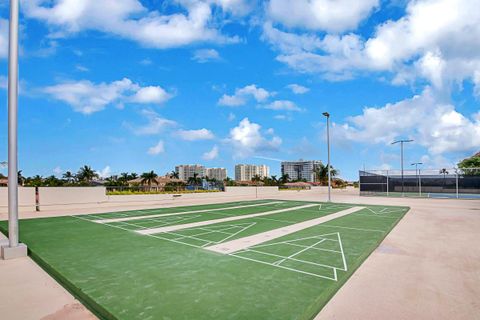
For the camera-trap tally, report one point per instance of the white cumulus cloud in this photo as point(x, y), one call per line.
point(241, 96)
point(205, 55)
point(105, 172)
point(151, 94)
point(284, 105)
point(194, 135)
point(211, 155)
point(87, 97)
point(247, 139)
point(434, 124)
point(436, 40)
point(155, 124)
point(298, 89)
point(192, 22)
point(157, 149)
point(327, 15)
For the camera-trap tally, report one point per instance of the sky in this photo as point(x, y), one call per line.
point(129, 85)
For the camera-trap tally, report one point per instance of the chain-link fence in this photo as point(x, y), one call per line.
point(430, 183)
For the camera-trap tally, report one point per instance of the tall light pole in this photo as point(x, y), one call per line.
point(327, 115)
point(416, 164)
point(401, 156)
point(14, 249)
point(417, 173)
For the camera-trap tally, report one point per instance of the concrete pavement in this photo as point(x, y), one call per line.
point(426, 268)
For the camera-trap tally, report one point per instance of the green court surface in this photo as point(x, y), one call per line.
point(120, 273)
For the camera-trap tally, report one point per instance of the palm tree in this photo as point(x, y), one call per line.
point(21, 178)
point(444, 172)
point(86, 174)
point(69, 176)
point(229, 182)
point(53, 181)
point(256, 178)
point(195, 180)
point(133, 176)
point(35, 181)
point(321, 173)
point(174, 175)
point(149, 178)
point(284, 178)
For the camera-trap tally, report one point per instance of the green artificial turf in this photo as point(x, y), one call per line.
point(120, 274)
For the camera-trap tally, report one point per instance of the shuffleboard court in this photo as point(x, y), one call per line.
point(121, 274)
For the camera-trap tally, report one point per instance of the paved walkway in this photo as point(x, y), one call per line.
point(29, 293)
point(428, 267)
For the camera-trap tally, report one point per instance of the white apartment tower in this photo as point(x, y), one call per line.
point(219, 174)
point(245, 172)
point(301, 169)
point(186, 171)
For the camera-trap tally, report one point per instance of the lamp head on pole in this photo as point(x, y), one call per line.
point(400, 141)
point(326, 114)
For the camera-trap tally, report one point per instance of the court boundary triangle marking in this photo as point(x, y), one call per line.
point(256, 250)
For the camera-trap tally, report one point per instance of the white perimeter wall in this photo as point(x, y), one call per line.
point(58, 198)
point(26, 199)
point(55, 197)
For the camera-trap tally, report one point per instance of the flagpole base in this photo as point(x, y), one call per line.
point(8, 253)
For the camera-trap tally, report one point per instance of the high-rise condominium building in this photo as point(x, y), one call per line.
point(186, 171)
point(301, 169)
point(219, 174)
point(245, 172)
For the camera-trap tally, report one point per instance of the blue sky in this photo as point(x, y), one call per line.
point(139, 85)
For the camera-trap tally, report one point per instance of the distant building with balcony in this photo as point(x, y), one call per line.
point(219, 174)
point(186, 171)
point(301, 169)
point(245, 172)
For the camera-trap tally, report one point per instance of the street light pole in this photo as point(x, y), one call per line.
point(327, 115)
point(417, 173)
point(401, 156)
point(14, 249)
point(12, 125)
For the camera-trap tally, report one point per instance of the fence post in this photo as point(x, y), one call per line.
point(360, 182)
point(37, 199)
point(419, 183)
point(456, 181)
point(387, 183)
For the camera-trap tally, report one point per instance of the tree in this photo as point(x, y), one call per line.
point(284, 178)
point(444, 172)
point(21, 178)
point(470, 166)
point(52, 181)
point(86, 174)
point(35, 181)
point(149, 178)
point(195, 180)
point(174, 175)
point(229, 182)
point(321, 173)
point(69, 176)
point(256, 178)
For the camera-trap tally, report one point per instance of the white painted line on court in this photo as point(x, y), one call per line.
point(183, 212)
point(250, 241)
point(208, 222)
